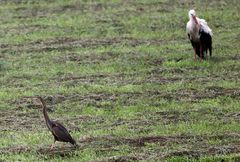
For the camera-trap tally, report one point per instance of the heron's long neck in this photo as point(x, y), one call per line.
point(45, 112)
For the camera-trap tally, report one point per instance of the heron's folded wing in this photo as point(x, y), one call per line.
point(61, 133)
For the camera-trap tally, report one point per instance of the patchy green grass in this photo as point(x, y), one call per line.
point(121, 76)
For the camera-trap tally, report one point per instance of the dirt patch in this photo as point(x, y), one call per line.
point(117, 78)
point(203, 148)
point(136, 142)
point(161, 80)
point(17, 149)
point(120, 159)
point(190, 115)
point(16, 120)
point(62, 151)
point(23, 29)
point(88, 59)
point(168, 117)
point(157, 62)
point(108, 143)
point(61, 44)
point(213, 92)
point(236, 57)
point(141, 141)
point(232, 116)
point(107, 100)
point(43, 11)
point(131, 8)
point(73, 80)
point(193, 95)
point(219, 59)
point(83, 7)
point(96, 99)
point(208, 79)
point(65, 151)
point(160, 70)
point(33, 103)
point(116, 57)
point(174, 117)
point(222, 150)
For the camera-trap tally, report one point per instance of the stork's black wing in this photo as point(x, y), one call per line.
point(206, 40)
point(61, 133)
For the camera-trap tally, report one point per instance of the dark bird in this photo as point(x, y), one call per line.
point(59, 132)
point(199, 34)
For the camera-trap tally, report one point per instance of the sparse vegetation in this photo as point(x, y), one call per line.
point(121, 76)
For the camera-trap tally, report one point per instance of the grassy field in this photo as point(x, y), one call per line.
point(121, 76)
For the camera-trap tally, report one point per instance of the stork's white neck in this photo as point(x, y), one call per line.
point(190, 17)
point(194, 30)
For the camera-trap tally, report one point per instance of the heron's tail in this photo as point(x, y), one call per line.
point(73, 142)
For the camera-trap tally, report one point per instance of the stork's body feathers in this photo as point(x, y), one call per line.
point(199, 34)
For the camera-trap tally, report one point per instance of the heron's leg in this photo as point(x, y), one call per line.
point(53, 145)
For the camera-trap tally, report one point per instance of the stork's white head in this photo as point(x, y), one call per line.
point(191, 13)
point(192, 16)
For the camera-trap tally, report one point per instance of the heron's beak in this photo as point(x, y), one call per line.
point(195, 19)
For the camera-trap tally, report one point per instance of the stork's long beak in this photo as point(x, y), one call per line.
point(195, 19)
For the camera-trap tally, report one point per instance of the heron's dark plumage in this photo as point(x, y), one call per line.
point(59, 132)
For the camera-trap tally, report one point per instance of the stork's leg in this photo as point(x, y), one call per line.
point(195, 53)
point(210, 51)
point(201, 51)
point(206, 55)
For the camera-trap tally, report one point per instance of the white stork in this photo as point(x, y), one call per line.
point(199, 34)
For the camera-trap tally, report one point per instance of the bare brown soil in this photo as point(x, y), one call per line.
point(60, 44)
point(194, 95)
point(23, 121)
point(191, 95)
point(109, 142)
